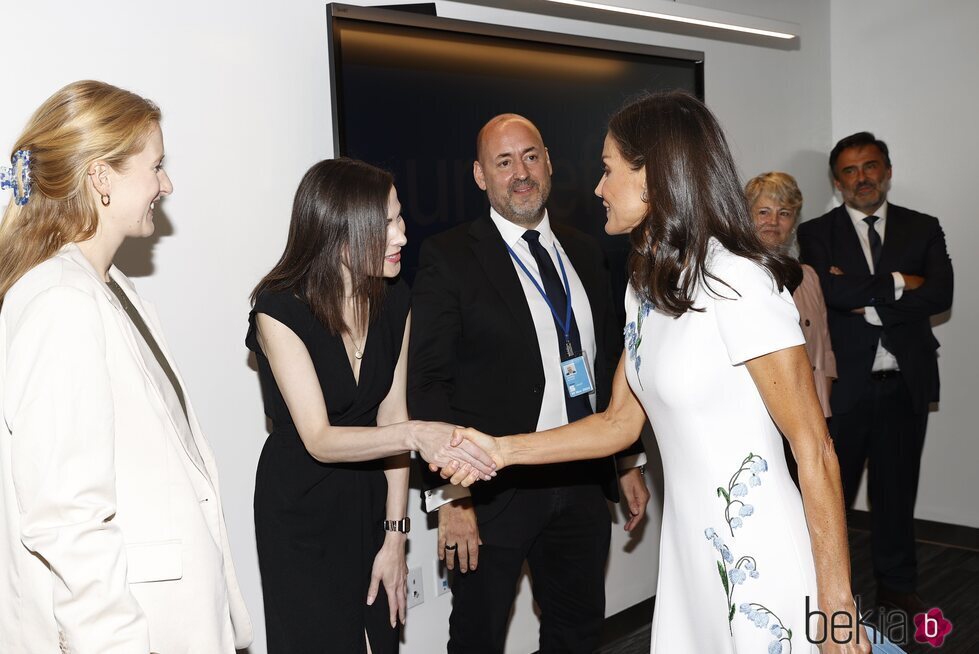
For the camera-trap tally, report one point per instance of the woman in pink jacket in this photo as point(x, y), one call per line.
point(776, 202)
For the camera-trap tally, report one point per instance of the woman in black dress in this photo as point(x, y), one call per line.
point(329, 327)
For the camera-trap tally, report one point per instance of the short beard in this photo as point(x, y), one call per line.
point(882, 190)
point(866, 205)
point(529, 218)
point(522, 219)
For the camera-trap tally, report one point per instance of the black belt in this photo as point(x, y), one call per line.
point(882, 375)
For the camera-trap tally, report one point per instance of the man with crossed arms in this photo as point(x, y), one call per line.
point(884, 271)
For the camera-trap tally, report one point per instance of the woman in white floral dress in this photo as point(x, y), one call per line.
point(715, 358)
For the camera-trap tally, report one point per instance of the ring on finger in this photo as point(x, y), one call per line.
point(452, 548)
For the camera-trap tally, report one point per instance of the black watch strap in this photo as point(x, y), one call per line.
point(403, 525)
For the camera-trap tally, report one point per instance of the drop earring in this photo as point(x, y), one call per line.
point(105, 199)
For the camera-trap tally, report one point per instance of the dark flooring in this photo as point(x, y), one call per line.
point(948, 565)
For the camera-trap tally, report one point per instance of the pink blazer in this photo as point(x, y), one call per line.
point(812, 318)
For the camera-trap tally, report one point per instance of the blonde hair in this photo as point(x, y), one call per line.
point(80, 124)
point(781, 186)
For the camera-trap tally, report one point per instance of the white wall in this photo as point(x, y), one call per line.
point(245, 93)
point(905, 70)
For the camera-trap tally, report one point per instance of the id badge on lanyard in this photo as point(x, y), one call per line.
point(575, 368)
point(577, 374)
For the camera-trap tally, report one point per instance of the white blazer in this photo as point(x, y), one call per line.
point(112, 536)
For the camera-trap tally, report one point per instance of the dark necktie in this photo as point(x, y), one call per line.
point(875, 242)
point(578, 407)
point(875, 248)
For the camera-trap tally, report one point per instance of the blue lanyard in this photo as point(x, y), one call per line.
point(566, 323)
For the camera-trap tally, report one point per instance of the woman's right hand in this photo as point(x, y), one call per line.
point(830, 644)
point(433, 441)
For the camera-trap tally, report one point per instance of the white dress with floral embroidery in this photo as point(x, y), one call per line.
point(736, 564)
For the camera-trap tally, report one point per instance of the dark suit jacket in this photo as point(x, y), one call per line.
point(473, 357)
point(914, 244)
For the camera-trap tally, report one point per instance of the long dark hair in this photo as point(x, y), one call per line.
point(694, 194)
point(339, 216)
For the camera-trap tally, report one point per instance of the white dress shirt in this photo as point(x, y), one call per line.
point(883, 360)
point(553, 411)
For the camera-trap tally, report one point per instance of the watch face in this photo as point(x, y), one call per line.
point(403, 526)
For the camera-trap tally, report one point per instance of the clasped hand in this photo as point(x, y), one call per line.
point(463, 456)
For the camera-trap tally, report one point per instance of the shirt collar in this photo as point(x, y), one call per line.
point(513, 234)
point(74, 253)
point(857, 216)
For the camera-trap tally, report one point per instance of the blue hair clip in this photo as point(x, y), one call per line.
point(20, 168)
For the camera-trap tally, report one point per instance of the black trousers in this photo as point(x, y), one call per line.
point(883, 431)
point(563, 534)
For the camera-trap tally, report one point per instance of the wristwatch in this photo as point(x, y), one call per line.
point(403, 525)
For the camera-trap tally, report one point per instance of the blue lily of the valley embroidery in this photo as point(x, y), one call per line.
point(737, 489)
point(734, 575)
point(763, 618)
point(633, 336)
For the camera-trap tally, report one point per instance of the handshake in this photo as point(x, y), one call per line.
point(463, 456)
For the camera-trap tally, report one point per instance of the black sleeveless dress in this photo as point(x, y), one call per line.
point(317, 525)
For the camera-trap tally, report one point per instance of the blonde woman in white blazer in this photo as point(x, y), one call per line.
point(112, 538)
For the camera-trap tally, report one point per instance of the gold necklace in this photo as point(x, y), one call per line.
point(358, 349)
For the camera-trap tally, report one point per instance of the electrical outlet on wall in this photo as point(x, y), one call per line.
point(441, 579)
point(416, 589)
